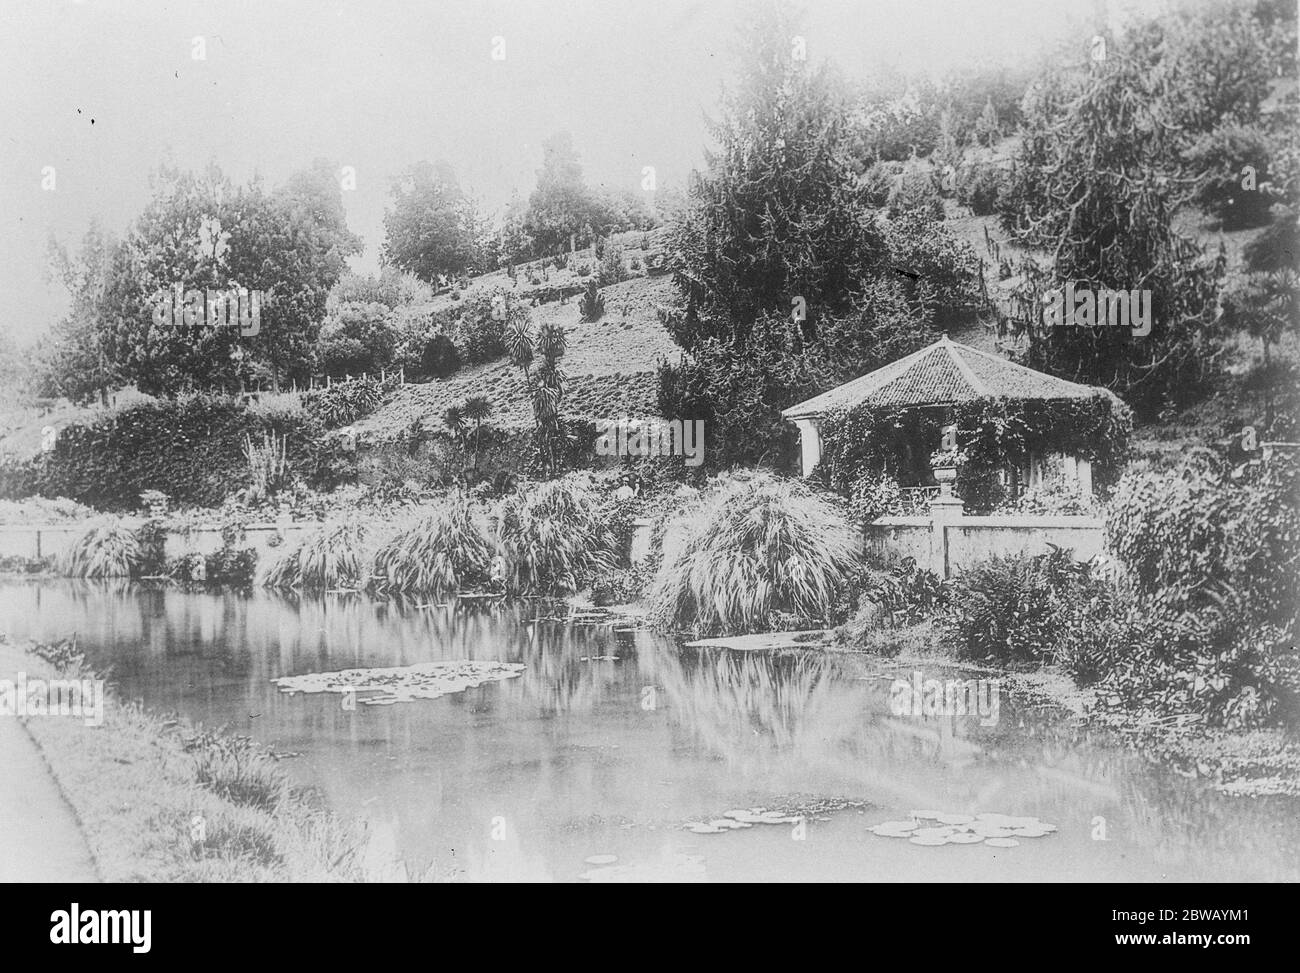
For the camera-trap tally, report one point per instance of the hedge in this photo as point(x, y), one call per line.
point(192, 450)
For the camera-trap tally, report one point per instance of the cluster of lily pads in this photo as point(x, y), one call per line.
point(424, 680)
point(740, 818)
point(941, 828)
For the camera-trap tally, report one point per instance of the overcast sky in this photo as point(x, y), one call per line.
point(104, 90)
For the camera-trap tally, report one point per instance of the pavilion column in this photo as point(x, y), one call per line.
point(810, 444)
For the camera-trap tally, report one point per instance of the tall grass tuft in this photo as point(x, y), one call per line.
point(445, 552)
point(108, 549)
point(326, 558)
point(268, 465)
point(553, 539)
point(236, 768)
point(759, 547)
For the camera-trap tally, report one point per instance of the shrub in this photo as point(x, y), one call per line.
point(1213, 563)
point(915, 193)
point(446, 552)
point(1217, 157)
point(592, 303)
point(622, 586)
point(978, 186)
point(232, 566)
point(761, 547)
point(478, 328)
point(440, 357)
point(326, 558)
point(107, 550)
point(343, 403)
point(904, 593)
point(553, 539)
point(1010, 610)
point(876, 183)
point(611, 270)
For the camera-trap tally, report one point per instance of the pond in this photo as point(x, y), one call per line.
point(610, 741)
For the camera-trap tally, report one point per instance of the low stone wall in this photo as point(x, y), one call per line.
point(44, 540)
point(948, 545)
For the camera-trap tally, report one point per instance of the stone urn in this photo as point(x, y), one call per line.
point(944, 465)
point(155, 502)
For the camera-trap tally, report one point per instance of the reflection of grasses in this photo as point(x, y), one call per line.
point(788, 700)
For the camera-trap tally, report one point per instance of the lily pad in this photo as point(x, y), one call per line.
point(699, 827)
point(965, 838)
point(931, 841)
point(1001, 842)
point(600, 859)
point(955, 819)
point(899, 825)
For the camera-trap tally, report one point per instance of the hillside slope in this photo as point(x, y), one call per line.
point(610, 365)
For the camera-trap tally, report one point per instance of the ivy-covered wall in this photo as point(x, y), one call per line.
point(867, 442)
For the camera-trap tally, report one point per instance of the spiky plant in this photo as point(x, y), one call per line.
point(553, 539)
point(329, 557)
point(446, 552)
point(477, 409)
point(760, 546)
point(268, 465)
point(109, 549)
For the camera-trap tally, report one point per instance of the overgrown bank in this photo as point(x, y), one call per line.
point(162, 800)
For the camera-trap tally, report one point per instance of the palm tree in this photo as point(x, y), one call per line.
point(477, 409)
point(453, 420)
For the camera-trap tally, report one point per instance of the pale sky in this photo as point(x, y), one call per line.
point(381, 85)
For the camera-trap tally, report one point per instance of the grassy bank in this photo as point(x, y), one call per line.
point(161, 800)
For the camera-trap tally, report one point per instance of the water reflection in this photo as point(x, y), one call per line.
point(586, 754)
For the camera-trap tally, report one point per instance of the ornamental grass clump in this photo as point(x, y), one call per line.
point(326, 558)
point(761, 553)
point(109, 549)
point(554, 539)
point(448, 551)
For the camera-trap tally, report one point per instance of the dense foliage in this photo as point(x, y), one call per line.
point(191, 449)
point(867, 444)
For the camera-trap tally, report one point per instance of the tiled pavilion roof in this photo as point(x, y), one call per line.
point(943, 373)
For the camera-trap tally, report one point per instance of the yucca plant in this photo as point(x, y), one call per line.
point(448, 551)
point(553, 539)
point(759, 547)
point(326, 558)
point(108, 549)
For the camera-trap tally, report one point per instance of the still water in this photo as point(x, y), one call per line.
point(611, 740)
